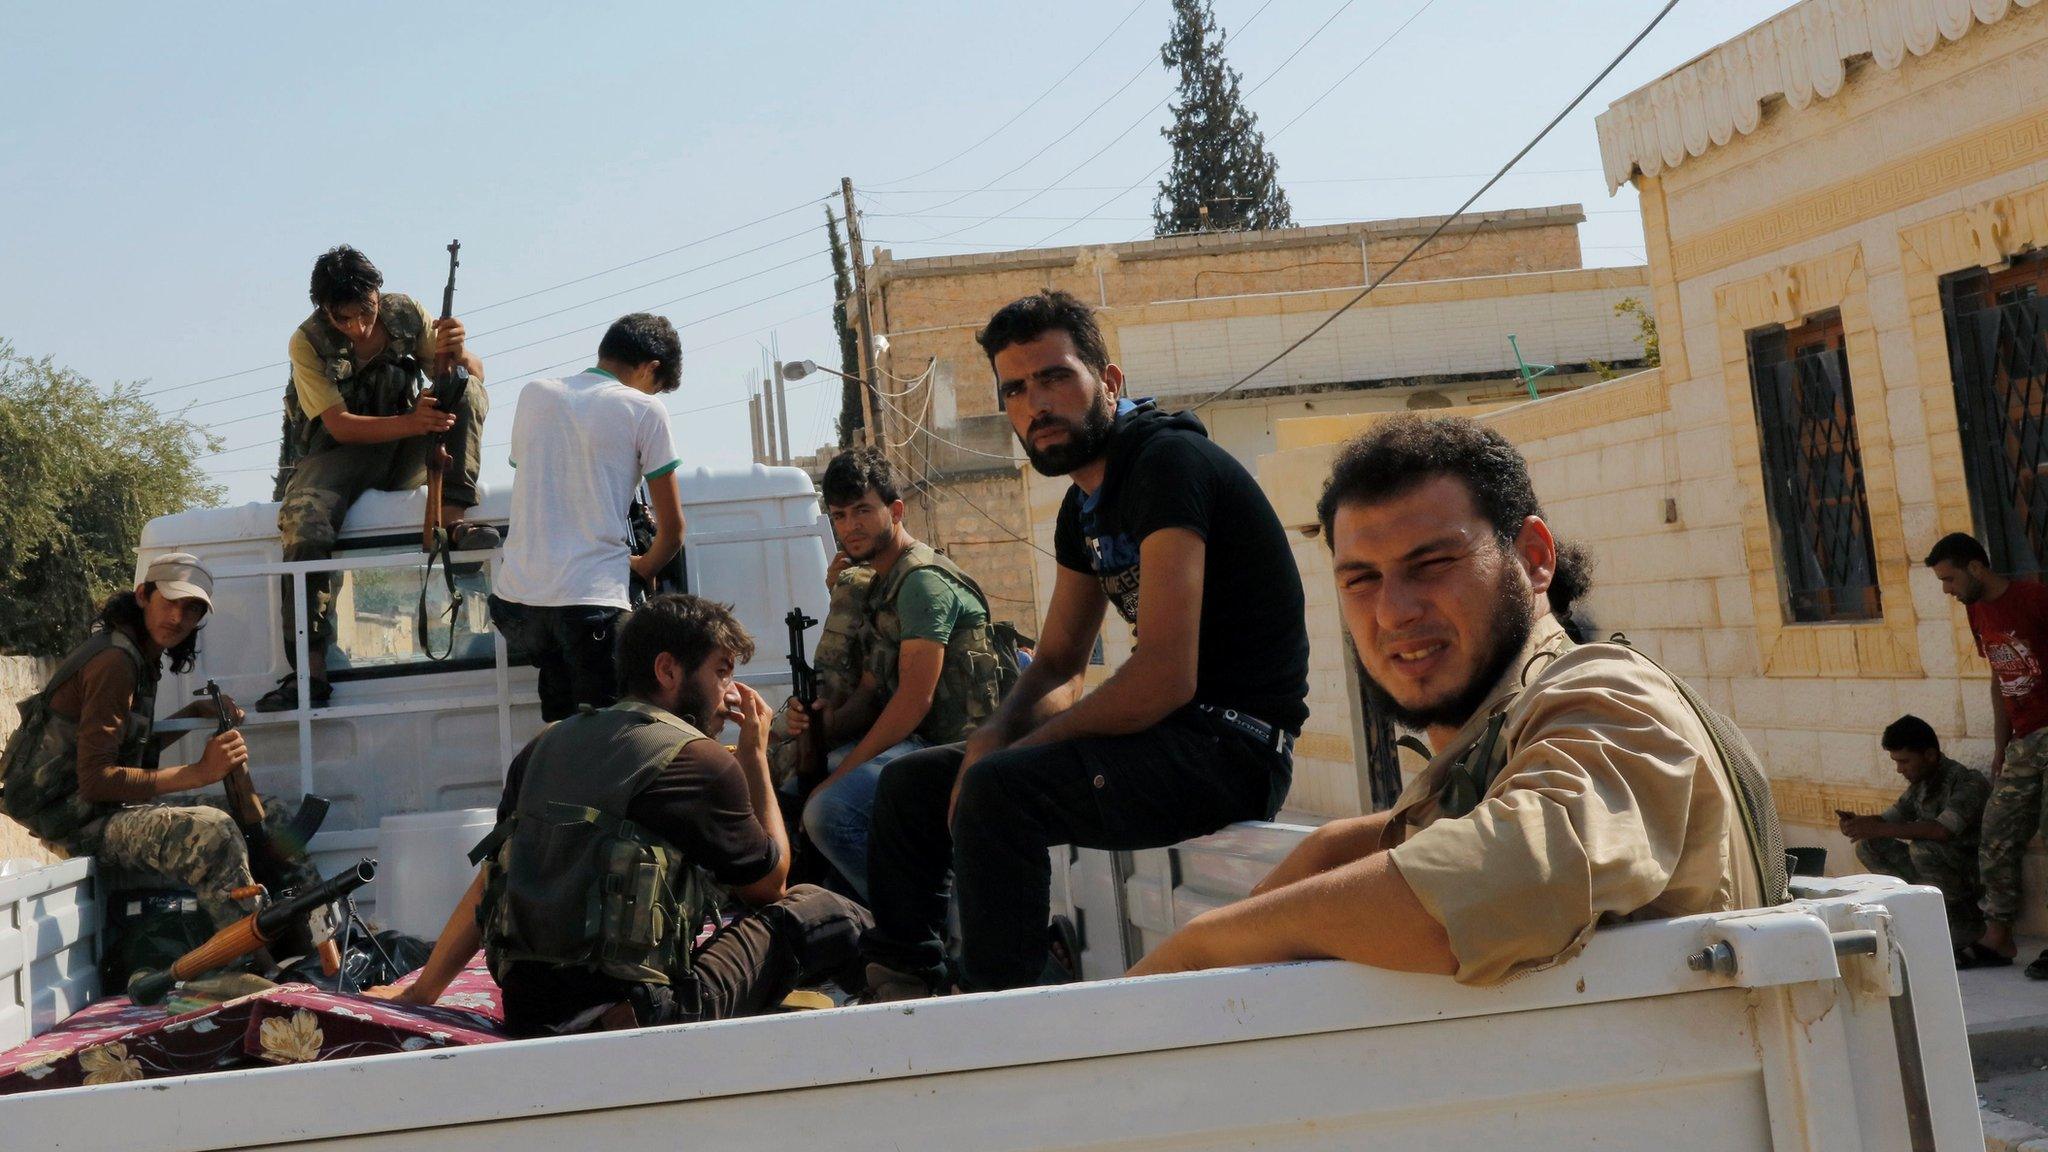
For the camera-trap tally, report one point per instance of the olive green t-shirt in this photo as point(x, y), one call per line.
point(930, 607)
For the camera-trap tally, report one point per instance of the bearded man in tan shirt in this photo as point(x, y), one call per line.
point(1570, 786)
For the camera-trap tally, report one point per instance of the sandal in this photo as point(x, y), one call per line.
point(464, 536)
point(285, 697)
point(1978, 956)
point(2038, 970)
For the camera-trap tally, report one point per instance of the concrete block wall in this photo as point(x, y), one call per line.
point(20, 677)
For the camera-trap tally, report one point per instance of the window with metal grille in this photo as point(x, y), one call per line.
point(1813, 471)
point(1999, 363)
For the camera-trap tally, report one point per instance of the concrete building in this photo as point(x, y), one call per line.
point(1845, 212)
point(1188, 316)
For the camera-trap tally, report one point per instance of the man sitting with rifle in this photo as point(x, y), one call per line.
point(357, 419)
point(933, 672)
point(81, 772)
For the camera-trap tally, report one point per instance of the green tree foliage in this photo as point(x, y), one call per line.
point(85, 470)
point(849, 343)
point(1646, 328)
point(1219, 154)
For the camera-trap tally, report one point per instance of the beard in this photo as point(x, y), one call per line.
point(705, 714)
point(1509, 626)
point(1085, 443)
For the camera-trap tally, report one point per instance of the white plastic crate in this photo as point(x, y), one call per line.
point(50, 919)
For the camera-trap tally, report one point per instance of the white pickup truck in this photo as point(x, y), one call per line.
point(1831, 1023)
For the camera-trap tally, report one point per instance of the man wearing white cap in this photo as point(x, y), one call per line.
point(80, 773)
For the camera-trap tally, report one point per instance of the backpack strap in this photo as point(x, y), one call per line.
point(89, 651)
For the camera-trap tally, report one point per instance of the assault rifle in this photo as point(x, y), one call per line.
point(449, 388)
point(272, 858)
point(246, 936)
point(811, 747)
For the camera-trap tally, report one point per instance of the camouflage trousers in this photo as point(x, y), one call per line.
point(2012, 817)
point(194, 844)
point(327, 481)
point(1946, 866)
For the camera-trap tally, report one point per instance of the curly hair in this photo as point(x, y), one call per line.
point(342, 275)
point(689, 628)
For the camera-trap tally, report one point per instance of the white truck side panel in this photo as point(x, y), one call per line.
point(50, 920)
point(1626, 1046)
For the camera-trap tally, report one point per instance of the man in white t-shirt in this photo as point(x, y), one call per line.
point(582, 446)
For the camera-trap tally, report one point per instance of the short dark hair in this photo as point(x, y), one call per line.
point(854, 473)
point(1960, 549)
point(687, 627)
point(1025, 320)
point(1910, 733)
point(1404, 451)
point(342, 275)
point(635, 339)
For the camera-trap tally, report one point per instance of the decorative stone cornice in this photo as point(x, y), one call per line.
point(1799, 55)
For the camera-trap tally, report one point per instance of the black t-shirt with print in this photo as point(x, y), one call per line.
point(1165, 472)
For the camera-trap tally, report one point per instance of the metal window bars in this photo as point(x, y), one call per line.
point(1999, 354)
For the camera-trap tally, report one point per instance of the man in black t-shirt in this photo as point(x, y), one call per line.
point(717, 811)
point(1195, 731)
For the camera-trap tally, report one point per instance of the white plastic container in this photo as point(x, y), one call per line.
point(424, 866)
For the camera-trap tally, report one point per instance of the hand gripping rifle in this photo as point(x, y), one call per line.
point(803, 688)
point(272, 857)
point(245, 936)
point(450, 387)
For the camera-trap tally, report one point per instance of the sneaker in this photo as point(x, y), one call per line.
point(2038, 970)
point(888, 986)
point(467, 537)
point(285, 697)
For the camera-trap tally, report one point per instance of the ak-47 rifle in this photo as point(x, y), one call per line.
point(450, 384)
point(803, 688)
point(272, 857)
point(245, 936)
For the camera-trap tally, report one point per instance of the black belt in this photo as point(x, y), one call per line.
point(1261, 733)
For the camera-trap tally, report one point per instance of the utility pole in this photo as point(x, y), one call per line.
point(781, 397)
point(754, 424)
point(867, 327)
point(768, 424)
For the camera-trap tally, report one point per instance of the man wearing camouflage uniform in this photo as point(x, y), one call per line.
point(2009, 619)
point(356, 420)
point(931, 670)
point(80, 772)
point(1929, 834)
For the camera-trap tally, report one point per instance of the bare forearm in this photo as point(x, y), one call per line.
point(1337, 843)
point(349, 428)
point(458, 941)
point(1139, 695)
point(767, 809)
point(1363, 911)
point(895, 725)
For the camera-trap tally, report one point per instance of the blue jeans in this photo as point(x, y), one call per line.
point(836, 818)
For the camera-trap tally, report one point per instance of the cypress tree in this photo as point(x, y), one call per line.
point(1219, 154)
point(849, 346)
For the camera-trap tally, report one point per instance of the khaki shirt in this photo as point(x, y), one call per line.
point(317, 390)
point(1612, 806)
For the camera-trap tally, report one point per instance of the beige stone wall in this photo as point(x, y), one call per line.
point(20, 676)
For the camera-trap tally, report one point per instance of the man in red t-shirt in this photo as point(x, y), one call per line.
point(2009, 618)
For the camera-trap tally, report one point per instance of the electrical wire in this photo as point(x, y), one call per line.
point(1448, 220)
point(1050, 89)
point(529, 295)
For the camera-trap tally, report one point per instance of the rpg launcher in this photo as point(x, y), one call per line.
point(803, 688)
point(245, 936)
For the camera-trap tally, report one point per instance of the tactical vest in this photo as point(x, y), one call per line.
point(39, 770)
point(1471, 776)
point(972, 680)
point(568, 879)
point(384, 386)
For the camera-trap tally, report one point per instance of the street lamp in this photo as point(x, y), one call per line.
point(798, 369)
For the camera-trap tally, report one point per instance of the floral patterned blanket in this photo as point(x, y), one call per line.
point(115, 1040)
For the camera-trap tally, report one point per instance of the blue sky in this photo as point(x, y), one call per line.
point(171, 175)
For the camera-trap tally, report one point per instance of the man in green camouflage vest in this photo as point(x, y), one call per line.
point(1929, 834)
point(932, 669)
point(356, 419)
point(637, 812)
